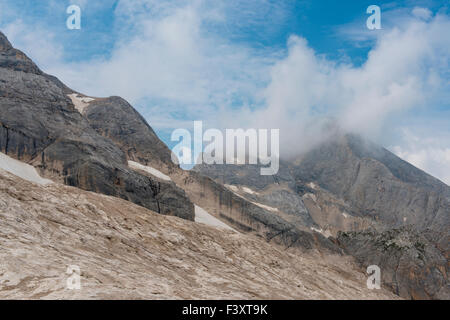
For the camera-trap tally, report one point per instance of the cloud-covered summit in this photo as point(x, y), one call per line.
point(179, 61)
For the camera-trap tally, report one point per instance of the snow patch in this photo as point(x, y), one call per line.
point(80, 102)
point(21, 169)
point(248, 190)
point(311, 196)
point(345, 215)
point(154, 172)
point(265, 207)
point(325, 233)
point(232, 188)
point(202, 216)
point(235, 191)
point(312, 185)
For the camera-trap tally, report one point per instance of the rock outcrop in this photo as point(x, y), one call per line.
point(117, 120)
point(40, 124)
point(413, 264)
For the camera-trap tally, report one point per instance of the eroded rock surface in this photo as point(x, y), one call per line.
point(414, 265)
point(125, 251)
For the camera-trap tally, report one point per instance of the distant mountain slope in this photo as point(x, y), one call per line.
point(116, 120)
point(40, 124)
point(376, 183)
point(352, 185)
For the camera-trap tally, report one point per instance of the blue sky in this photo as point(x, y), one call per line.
point(258, 23)
point(257, 63)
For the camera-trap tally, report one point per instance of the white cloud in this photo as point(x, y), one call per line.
point(168, 60)
point(422, 13)
point(44, 52)
point(428, 154)
point(406, 70)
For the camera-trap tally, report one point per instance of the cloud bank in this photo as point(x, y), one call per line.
point(170, 61)
point(407, 70)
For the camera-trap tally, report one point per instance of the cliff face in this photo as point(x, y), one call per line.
point(42, 124)
point(351, 185)
point(117, 120)
point(376, 184)
point(414, 264)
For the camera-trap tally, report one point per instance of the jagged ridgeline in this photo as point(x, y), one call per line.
point(40, 124)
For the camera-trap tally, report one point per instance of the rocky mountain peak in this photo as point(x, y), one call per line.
point(41, 125)
point(14, 59)
point(4, 43)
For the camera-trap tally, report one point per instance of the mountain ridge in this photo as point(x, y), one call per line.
point(41, 125)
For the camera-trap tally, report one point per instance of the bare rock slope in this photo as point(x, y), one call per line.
point(125, 251)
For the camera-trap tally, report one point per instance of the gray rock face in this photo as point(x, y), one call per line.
point(350, 184)
point(412, 264)
point(16, 60)
point(277, 191)
point(116, 119)
point(40, 125)
point(376, 183)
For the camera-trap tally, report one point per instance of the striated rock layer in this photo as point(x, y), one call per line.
point(125, 251)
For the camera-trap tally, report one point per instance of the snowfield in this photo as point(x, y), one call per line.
point(154, 172)
point(325, 233)
point(201, 216)
point(248, 190)
point(80, 102)
point(235, 189)
point(21, 169)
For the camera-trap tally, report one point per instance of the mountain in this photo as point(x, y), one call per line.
point(104, 145)
point(41, 124)
point(115, 119)
point(347, 197)
point(376, 183)
point(372, 204)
